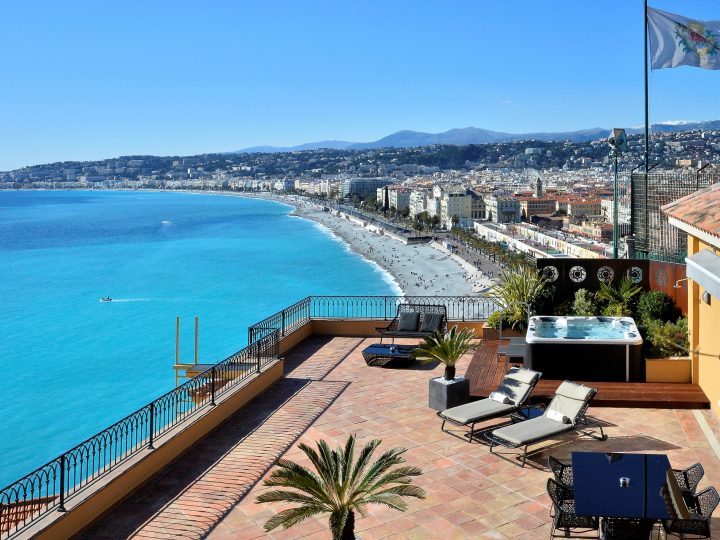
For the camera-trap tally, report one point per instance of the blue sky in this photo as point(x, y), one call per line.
point(93, 80)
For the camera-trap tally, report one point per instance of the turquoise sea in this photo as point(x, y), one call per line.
point(72, 365)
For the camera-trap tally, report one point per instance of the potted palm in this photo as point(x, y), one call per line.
point(446, 348)
point(339, 485)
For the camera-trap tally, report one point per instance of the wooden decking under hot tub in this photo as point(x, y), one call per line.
point(486, 371)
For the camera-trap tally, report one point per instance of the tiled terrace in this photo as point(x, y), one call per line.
point(329, 393)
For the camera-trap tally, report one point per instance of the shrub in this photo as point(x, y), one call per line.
point(669, 338)
point(519, 284)
point(584, 304)
point(656, 305)
point(619, 301)
point(544, 302)
point(493, 321)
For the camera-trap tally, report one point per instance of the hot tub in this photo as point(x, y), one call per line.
point(585, 348)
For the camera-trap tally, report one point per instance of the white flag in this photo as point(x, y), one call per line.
point(678, 41)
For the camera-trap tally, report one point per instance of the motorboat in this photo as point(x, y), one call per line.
point(106, 299)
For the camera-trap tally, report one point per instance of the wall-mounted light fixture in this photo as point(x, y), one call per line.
point(706, 297)
point(677, 283)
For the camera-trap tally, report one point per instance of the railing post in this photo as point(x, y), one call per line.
point(152, 425)
point(282, 322)
point(212, 386)
point(463, 309)
point(259, 356)
point(385, 299)
point(61, 505)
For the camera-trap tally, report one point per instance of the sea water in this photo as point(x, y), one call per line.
point(72, 365)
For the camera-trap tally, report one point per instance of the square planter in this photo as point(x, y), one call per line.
point(444, 395)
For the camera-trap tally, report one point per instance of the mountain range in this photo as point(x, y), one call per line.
point(471, 135)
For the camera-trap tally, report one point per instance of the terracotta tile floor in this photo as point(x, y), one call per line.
point(330, 393)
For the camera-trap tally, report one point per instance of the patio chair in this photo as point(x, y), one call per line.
point(516, 387)
point(688, 480)
point(565, 413)
point(698, 524)
point(564, 516)
point(562, 471)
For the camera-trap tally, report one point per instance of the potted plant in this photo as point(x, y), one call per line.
point(340, 485)
point(520, 286)
point(446, 348)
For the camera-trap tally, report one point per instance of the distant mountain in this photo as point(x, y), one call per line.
point(471, 135)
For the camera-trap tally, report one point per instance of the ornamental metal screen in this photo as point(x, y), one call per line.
point(655, 238)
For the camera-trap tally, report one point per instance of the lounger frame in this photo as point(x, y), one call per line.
point(494, 440)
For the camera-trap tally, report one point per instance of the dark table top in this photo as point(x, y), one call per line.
point(386, 349)
point(596, 482)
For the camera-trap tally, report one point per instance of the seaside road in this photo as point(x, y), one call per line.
point(189, 498)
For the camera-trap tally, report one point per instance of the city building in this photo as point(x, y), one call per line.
point(502, 209)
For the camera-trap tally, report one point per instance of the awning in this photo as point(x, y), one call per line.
point(704, 269)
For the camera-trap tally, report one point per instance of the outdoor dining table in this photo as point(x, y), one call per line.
point(624, 489)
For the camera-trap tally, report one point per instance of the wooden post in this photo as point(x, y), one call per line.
point(196, 339)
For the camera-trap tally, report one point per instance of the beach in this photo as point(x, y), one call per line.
point(418, 269)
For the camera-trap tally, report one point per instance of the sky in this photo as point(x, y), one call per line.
point(95, 80)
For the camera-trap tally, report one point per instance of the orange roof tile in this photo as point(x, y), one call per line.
point(700, 209)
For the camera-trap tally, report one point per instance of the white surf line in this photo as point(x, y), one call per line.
point(707, 431)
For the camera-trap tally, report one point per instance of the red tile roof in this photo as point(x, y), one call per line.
point(700, 209)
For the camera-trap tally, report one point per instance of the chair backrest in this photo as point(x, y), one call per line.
point(518, 383)
point(571, 400)
point(563, 471)
point(558, 493)
point(423, 310)
point(707, 501)
point(692, 475)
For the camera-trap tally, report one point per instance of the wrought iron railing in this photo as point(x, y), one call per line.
point(459, 308)
point(50, 486)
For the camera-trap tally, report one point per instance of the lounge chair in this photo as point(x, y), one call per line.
point(517, 385)
point(564, 413)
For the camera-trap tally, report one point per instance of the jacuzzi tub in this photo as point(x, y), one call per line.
point(585, 348)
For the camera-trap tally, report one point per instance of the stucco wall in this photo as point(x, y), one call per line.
point(704, 329)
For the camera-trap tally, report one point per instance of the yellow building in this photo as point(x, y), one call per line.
point(698, 215)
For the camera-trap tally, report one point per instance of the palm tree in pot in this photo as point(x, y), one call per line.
point(446, 348)
point(340, 486)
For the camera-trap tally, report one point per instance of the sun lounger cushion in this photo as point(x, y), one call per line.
point(569, 400)
point(530, 430)
point(521, 375)
point(408, 321)
point(517, 384)
point(431, 322)
point(499, 397)
point(558, 417)
point(477, 410)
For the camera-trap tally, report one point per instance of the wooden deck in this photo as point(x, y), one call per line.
point(486, 371)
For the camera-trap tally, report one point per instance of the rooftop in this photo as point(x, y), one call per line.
point(700, 209)
point(328, 392)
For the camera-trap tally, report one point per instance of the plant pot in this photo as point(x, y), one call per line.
point(489, 333)
point(445, 394)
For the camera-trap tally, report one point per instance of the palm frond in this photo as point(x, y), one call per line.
point(447, 348)
point(291, 516)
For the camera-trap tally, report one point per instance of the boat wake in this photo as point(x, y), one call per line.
point(114, 300)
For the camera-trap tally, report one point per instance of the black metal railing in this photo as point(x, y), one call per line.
point(50, 486)
point(459, 308)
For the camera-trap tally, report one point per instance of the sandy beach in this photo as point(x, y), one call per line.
point(418, 270)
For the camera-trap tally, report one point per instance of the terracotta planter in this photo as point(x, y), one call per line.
point(491, 333)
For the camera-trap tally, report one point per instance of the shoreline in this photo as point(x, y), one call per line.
point(418, 270)
point(412, 270)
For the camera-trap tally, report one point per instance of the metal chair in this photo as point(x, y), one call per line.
point(688, 479)
point(565, 517)
point(563, 471)
point(699, 524)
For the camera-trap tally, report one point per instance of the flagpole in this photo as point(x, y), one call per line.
point(647, 115)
